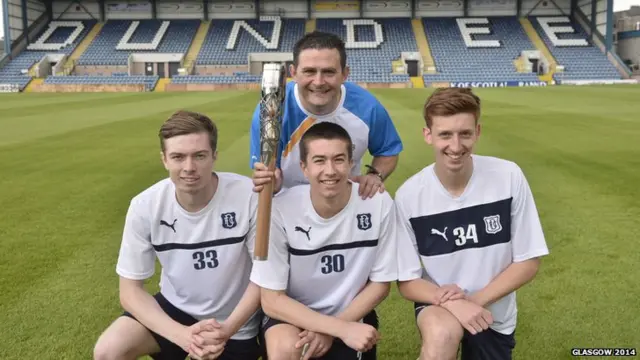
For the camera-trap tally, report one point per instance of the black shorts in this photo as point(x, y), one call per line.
point(234, 349)
point(339, 350)
point(486, 345)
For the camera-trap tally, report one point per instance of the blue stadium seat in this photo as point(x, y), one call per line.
point(456, 62)
point(580, 62)
point(216, 79)
point(103, 50)
point(214, 50)
point(148, 81)
point(375, 64)
point(11, 73)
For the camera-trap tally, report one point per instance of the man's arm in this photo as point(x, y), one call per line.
point(250, 301)
point(278, 305)
point(370, 297)
point(248, 305)
point(384, 141)
point(136, 263)
point(511, 279)
point(528, 245)
point(136, 300)
point(418, 290)
point(385, 165)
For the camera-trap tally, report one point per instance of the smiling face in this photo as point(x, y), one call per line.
point(188, 141)
point(327, 166)
point(189, 160)
point(453, 139)
point(319, 76)
point(452, 127)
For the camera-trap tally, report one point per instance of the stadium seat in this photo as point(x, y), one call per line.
point(120, 38)
point(488, 58)
point(580, 61)
point(148, 81)
point(59, 37)
point(369, 61)
point(229, 42)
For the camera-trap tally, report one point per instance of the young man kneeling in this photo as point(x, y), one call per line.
point(332, 256)
point(475, 228)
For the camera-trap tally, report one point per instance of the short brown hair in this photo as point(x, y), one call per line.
point(327, 131)
point(184, 122)
point(451, 101)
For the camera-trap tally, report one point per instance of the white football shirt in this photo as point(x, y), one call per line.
point(325, 263)
point(206, 257)
point(471, 239)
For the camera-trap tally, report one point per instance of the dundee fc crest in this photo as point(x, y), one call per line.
point(364, 221)
point(229, 220)
point(492, 224)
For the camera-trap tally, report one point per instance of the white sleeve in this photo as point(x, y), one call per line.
point(526, 230)
point(136, 260)
point(250, 240)
point(273, 273)
point(385, 268)
point(409, 263)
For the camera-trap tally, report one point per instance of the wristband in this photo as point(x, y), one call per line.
point(375, 172)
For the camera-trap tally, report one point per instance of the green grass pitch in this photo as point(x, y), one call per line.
point(71, 162)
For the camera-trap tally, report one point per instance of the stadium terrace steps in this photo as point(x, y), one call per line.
point(310, 26)
point(540, 46)
point(33, 83)
point(161, 84)
point(196, 46)
point(33, 68)
point(80, 49)
point(429, 66)
point(417, 81)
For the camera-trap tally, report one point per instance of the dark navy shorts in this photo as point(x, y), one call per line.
point(339, 350)
point(234, 349)
point(486, 345)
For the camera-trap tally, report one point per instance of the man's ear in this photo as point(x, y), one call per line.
point(163, 158)
point(428, 135)
point(292, 70)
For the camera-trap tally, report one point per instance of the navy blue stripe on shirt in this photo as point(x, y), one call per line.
point(472, 227)
point(351, 245)
point(201, 245)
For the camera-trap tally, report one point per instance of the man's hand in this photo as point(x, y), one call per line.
point(369, 185)
point(208, 339)
point(448, 292)
point(262, 176)
point(471, 316)
point(360, 337)
point(319, 344)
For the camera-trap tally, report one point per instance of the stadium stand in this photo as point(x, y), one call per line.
point(579, 56)
point(149, 81)
point(120, 38)
point(489, 57)
point(373, 62)
point(229, 42)
point(226, 45)
point(49, 41)
point(218, 51)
